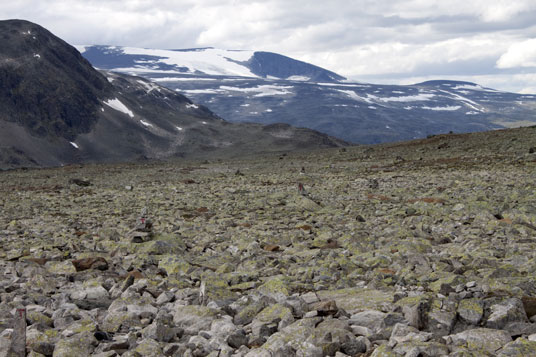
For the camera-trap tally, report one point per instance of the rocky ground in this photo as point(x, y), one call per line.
point(424, 248)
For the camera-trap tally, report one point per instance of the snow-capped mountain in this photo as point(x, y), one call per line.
point(261, 87)
point(57, 109)
point(204, 61)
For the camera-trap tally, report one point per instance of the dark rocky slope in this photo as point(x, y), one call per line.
point(57, 109)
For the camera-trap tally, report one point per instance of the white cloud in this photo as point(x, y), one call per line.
point(521, 54)
point(352, 38)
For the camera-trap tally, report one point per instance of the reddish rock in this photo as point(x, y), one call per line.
point(529, 303)
point(326, 308)
point(271, 248)
point(90, 263)
point(40, 261)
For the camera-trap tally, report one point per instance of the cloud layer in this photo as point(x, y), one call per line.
point(383, 40)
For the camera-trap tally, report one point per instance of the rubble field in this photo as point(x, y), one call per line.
point(422, 248)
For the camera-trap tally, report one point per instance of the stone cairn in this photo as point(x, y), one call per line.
point(144, 228)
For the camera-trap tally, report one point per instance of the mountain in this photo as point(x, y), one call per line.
point(261, 87)
point(205, 61)
point(57, 109)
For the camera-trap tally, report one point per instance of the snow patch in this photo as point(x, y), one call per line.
point(198, 91)
point(181, 79)
point(147, 124)
point(372, 107)
point(298, 78)
point(110, 79)
point(149, 87)
point(192, 106)
point(37, 55)
point(74, 144)
point(179, 128)
point(343, 85)
point(353, 95)
point(268, 110)
point(117, 105)
point(471, 104)
point(204, 123)
point(472, 113)
point(408, 98)
point(244, 105)
point(262, 90)
point(446, 108)
point(474, 87)
point(209, 60)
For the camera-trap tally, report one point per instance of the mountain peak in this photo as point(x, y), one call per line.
point(34, 66)
point(269, 64)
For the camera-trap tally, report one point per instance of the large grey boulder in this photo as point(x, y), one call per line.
point(483, 339)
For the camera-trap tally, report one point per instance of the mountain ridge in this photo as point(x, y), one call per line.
point(58, 110)
point(361, 113)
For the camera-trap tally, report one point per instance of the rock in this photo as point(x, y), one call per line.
point(115, 320)
point(470, 311)
point(237, 339)
point(441, 323)
point(354, 346)
point(519, 348)
point(277, 314)
point(194, 318)
point(35, 317)
point(404, 333)
point(511, 310)
point(294, 336)
point(80, 182)
point(325, 308)
point(248, 312)
point(98, 263)
point(81, 344)
point(275, 288)
point(481, 339)
point(370, 319)
point(91, 290)
point(529, 303)
point(159, 331)
point(415, 311)
point(44, 348)
point(149, 347)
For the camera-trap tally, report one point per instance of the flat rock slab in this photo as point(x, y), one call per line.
point(355, 300)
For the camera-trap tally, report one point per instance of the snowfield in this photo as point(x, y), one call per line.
point(117, 105)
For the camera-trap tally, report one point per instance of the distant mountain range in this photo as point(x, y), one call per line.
point(267, 88)
point(56, 109)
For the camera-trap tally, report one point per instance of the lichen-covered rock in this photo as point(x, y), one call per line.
point(481, 339)
point(471, 311)
point(371, 319)
point(81, 344)
point(275, 288)
point(149, 347)
point(193, 318)
point(242, 264)
point(519, 348)
point(511, 310)
point(277, 313)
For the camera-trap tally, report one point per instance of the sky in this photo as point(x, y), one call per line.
point(490, 42)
